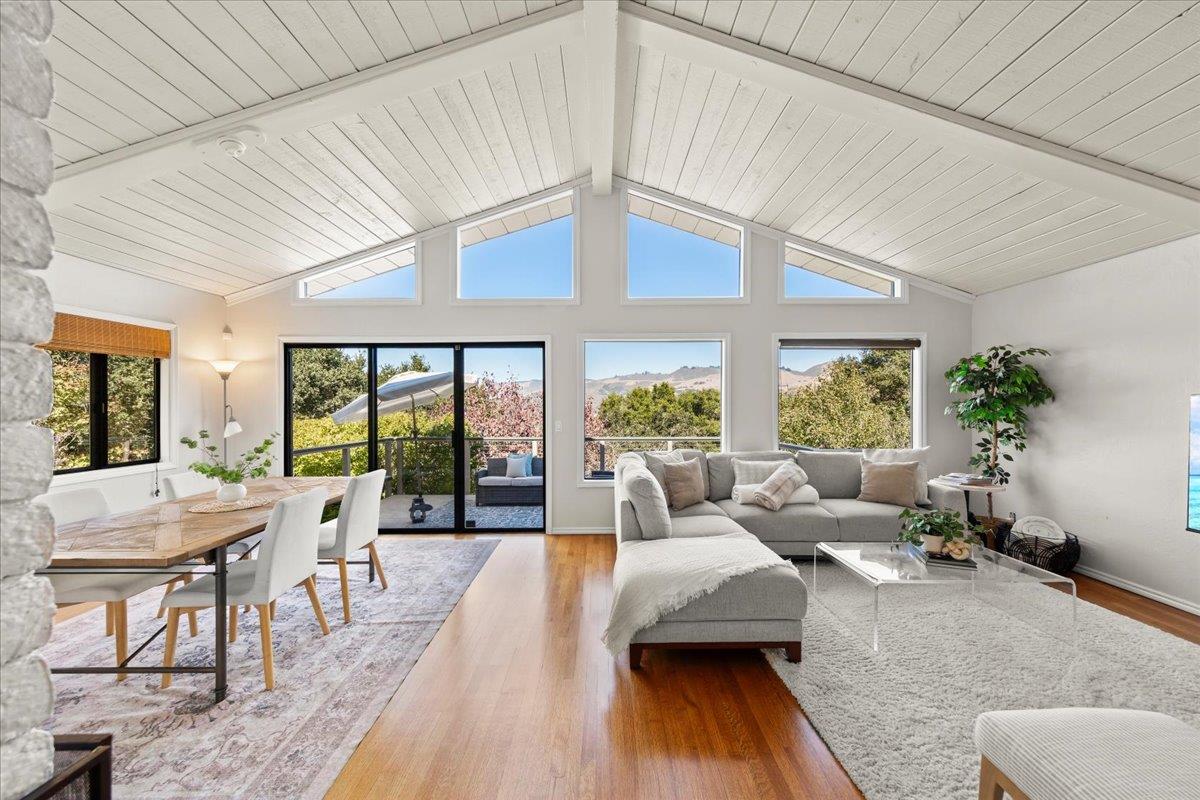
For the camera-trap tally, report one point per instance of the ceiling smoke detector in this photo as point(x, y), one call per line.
point(234, 148)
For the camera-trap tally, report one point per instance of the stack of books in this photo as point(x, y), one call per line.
point(941, 559)
point(965, 479)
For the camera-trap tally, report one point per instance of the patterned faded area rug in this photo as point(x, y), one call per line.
point(901, 721)
point(292, 742)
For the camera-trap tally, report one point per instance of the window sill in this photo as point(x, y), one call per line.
point(72, 478)
point(606, 483)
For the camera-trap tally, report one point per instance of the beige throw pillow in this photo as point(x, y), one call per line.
point(900, 455)
point(655, 461)
point(685, 483)
point(890, 483)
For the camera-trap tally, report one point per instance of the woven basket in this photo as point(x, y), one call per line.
point(1056, 555)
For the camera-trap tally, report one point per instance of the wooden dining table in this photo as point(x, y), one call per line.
point(163, 536)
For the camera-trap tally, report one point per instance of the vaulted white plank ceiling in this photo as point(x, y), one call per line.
point(437, 111)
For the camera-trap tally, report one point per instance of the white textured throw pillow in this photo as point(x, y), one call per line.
point(900, 455)
point(516, 467)
point(745, 472)
point(649, 502)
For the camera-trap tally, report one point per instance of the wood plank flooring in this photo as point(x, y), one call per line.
point(517, 698)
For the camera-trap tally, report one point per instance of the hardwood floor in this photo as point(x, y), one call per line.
point(517, 698)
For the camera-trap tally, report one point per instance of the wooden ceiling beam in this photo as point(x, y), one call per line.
point(301, 110)
point(600, 28)
point(910, 116)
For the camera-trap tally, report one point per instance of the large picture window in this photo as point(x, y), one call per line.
point(106, 410)
point(526, 253)
point(650, 395)
point(673, 253)
point(846, 394)
point(107, 392)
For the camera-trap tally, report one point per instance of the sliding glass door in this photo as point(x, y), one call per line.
point(458, 428)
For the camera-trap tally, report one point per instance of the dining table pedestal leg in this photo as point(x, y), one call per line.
point(219, 573)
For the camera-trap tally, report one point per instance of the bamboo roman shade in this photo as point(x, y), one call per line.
point(90, 335)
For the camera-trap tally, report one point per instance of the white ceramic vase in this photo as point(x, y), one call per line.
point(231, 492)
point(933, 544)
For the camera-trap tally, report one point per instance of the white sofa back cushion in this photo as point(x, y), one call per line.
point(649, 501)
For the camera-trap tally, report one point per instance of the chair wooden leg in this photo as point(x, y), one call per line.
point(345, 578)
point(193, 626)
point(121, 630)
point(311, 585)
point(169, 647)
point(378, 564)
point(264, 630)
point(990, 787)
point(108, 619)
point(272, 610)
point(170, 588)
point(233, 624)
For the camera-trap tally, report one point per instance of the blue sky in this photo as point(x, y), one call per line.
point(535, 262)
point(605, 359)
point(800, 359)
point(667, 262)
point(799, 282)
point(399, 283)
point(522, 363)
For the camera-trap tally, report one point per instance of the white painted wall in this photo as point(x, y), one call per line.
point(256, 387)
point(194, 394)
point(1108, 459)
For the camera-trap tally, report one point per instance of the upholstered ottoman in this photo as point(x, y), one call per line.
point(1087, 754)
point(761, 609)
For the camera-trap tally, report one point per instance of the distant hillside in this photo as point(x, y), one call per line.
point(694, 378)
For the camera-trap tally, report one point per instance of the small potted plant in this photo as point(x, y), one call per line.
point(938, 531)
point(254, 463)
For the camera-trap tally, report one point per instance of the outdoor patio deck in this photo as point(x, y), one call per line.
point(393, 514)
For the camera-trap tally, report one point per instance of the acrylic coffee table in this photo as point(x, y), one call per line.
point(880, 564)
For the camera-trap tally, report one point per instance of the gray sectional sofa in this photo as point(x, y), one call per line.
point(764, 608)
point(794, 530)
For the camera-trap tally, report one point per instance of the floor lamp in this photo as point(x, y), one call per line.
point(225, 368)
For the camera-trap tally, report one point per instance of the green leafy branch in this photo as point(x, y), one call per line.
point(254, 463)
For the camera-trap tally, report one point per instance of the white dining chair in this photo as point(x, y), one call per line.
point(288, 558)
point(356, 527)
point(97, 586)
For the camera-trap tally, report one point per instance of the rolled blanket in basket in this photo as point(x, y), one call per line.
point(1040, 527)
point(775, 490)
point(805, 495)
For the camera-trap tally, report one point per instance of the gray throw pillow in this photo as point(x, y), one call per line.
point(890, 483)
point(685, 483)
point(649, 502)
point(747, 472)
point(900, 455)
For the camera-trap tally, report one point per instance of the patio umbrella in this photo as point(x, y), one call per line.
point(406, 391)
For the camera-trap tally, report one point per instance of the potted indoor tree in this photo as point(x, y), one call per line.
point(254, 463)
point(999, 385)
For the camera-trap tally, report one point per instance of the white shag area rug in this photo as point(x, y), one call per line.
point(901, 720)
point(174, 744)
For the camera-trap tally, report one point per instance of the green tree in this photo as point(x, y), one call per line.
point(861, 401)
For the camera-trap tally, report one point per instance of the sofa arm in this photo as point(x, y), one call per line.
point(628, 529)
point(948, 498)
point(480, 473)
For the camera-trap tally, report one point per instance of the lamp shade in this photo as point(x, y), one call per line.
point(232, 428)
point(224, 367)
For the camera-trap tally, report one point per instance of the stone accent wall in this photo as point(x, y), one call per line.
point(26, 451)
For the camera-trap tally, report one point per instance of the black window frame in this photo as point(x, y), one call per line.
point(98, 418)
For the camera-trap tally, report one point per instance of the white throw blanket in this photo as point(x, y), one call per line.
point(743, 494)
point(654, 577)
